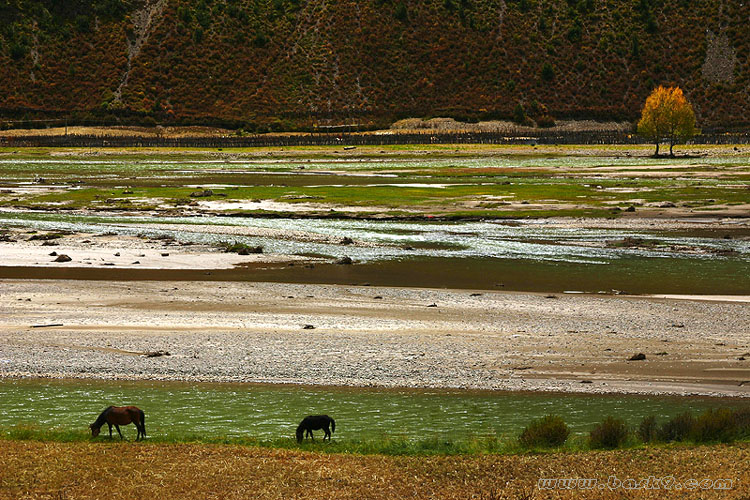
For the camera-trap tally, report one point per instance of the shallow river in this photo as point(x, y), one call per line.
point(263, 411)
point(510, 255)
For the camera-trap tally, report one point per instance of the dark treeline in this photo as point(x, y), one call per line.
point(345, 139)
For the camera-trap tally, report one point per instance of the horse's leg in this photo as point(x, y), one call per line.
point(328, 433)
point(137, 429)
point(110, 430)
point(135, 417)
point(118, 431)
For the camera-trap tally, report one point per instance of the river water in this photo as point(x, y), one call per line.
point(271, 411)
point(509, 255)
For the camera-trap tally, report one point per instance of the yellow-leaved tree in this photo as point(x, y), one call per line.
point(667, 116)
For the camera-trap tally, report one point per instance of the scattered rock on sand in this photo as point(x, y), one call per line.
point(205, 193)
point(347, 241)
point(637, 357)
point(63, 258)
point(308, 327)
point(156, 354)
point(345, 261)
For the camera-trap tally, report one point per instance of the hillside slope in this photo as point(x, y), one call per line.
point(292, 63)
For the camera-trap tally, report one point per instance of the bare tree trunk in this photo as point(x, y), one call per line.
point(671, 145)
point(657, 149)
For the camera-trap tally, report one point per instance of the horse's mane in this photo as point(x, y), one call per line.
point(101, 419)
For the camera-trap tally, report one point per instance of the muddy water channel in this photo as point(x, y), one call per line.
point(177, 409)
point(510, 255)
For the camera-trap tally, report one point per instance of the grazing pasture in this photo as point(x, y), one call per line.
point(39, 470)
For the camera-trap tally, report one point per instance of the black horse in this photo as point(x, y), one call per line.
point(315, 422)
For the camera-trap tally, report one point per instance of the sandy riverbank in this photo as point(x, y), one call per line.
point(368, 336)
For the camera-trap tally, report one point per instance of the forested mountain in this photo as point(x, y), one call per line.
point(282, 64)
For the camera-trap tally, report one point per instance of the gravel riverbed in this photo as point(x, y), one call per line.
point(368, 336)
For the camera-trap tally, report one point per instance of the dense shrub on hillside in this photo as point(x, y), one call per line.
point(546, 432)
point(374, 61)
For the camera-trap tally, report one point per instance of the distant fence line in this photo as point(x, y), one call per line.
point(347, 139)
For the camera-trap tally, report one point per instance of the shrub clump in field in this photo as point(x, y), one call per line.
point(611, 433)
point(677, 428)
point(648, 429)
point(714, 425)
point(240, 248)
point(742, 422)
point(546, 432)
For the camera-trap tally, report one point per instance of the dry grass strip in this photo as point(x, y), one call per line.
point(39, 470)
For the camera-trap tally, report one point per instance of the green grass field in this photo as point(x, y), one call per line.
point(473, 181)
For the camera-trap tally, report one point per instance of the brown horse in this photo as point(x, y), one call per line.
point(120, 415)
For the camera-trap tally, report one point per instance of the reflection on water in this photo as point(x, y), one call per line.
point(274, 411)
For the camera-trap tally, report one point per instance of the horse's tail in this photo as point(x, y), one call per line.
point(143, 422)
point(333, 426)
point(300, 433)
